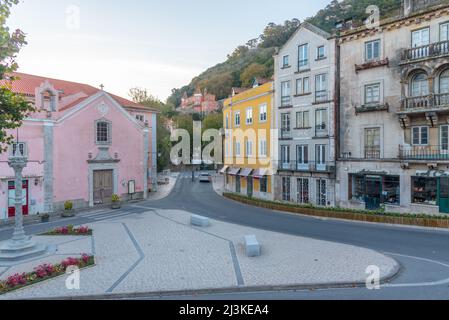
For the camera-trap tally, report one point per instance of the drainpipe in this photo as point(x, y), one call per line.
point(337, 100)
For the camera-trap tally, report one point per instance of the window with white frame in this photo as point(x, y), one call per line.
point(285, 124)
point(320, 52)
point(372, 50)
point(303, 56)
point(237, 119)
point(286, 93)
point(306, 85)
point(263, 112)
point(237, 149)
point(227, 121)
point(321, 119)
point(444, 32)
point(299, 86)
point(302, 154)
point(302, 119)
point(102, 132)
point(249, 116)
point(372, 93)
point(263, 148)
point(372, 143)
point(321, 87)
point(302, 86)
point(420, 85)
point(420, 135)
point(285, 61)
point(249, 148)
point(140, 117)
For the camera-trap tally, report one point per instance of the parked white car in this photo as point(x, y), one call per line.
point(205, 177)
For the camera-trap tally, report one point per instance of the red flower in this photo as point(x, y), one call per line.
point(17, 279)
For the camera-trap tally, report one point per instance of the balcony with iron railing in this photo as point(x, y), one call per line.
point(310, 166)
point(321, 131)
point(372, 152)
point(425, 103)
point(435, 152)
point(286, 101)
point(286, 134)
point(322, 96)
point(433, 50)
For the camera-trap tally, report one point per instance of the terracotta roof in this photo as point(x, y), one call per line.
point(26, 84)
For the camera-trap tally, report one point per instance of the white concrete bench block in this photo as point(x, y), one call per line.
point(252, 246)
point(199, 221)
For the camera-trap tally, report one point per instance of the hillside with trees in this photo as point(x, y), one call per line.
point(255, 58)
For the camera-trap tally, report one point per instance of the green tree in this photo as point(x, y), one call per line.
point(143, 97)
point(252, 71)
point(13, 107)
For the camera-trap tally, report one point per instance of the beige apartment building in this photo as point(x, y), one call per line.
point(394, 112)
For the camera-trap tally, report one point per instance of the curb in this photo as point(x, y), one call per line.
point(250, 289)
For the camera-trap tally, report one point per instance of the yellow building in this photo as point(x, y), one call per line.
point(249, 141)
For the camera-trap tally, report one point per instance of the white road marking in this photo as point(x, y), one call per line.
point(421, 284)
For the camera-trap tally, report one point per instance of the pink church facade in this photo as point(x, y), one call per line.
point(83, 145)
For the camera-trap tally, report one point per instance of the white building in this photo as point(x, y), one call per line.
point(305, 69)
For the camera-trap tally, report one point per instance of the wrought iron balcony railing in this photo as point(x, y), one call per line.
point(310, 166)
point(322, 96)
point(372, 152)
point(286, 134)
point(321, 130)
point(438, 152)
point(436, 49)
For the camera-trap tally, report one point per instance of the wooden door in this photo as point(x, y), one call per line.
point(103, 186)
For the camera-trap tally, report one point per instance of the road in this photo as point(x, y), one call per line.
point(422, 253)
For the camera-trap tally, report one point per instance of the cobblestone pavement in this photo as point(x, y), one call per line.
point(158, 251)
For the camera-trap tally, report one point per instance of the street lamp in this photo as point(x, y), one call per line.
point(19, 247)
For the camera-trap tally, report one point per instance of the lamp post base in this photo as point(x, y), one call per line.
point(15, 251)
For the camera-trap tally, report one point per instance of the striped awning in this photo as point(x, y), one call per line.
point(245, 172)
point(233, 171)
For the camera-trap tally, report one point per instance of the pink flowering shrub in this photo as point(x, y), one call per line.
point(43, 271)
point(16, 280)
point(70, 230)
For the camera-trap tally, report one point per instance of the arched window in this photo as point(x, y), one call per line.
point(420, 85)
point(444, 82)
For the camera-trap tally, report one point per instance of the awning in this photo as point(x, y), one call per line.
point(233, 171)
point(246, 172)
point(260, 173)
point(225, 168)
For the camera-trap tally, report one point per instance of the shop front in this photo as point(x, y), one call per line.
point(431, 188)
point(375, 190)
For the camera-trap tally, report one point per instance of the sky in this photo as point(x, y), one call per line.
point(157, 45)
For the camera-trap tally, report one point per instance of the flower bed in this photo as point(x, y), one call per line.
point(44, 272)
point(69, 231)
point(421, 220)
